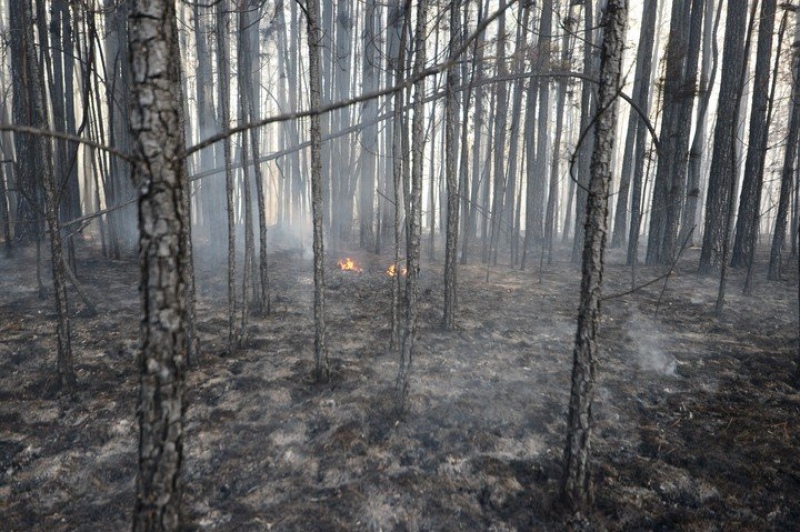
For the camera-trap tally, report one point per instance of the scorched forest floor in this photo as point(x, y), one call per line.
point(696, 417)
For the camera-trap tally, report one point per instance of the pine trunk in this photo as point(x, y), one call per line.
point(159, 141)
point(576, 489)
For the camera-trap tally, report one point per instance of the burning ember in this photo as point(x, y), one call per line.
point(348, 265)
point(392, 271)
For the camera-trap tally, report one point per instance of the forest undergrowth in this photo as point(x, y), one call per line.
point(696, 417)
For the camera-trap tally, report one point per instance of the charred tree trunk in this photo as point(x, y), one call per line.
point(588, 107)
point(500, 122)
point(748, 220)
point(66, 375)
point(471, 219)
point(723, 172)
point(468, 72)
point(322, 364)
point(211, 190)
point(5, 215)
point(679, 93)
point(576, 489)
point(788, 172)
point(414, 218)
point(369, 135)
point(641, 94)
point(451, 134)
point(157, 127)
point(399, 20)
point(224, 79)
point(28, 160)
point(118, 187)
point(708, 71)
point(251, 93)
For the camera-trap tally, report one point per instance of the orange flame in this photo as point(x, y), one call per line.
point(392, 271)
point(348, 265)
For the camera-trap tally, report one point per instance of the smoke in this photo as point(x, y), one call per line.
point(650, 345)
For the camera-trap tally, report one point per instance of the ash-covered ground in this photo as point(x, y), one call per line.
point(696, 417)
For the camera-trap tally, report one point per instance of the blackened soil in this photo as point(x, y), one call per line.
point(695, 416)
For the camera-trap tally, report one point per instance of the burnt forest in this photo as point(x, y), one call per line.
point(410, 265)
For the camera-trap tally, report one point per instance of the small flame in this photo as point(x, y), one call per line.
point(348, 265)
point(392, 271)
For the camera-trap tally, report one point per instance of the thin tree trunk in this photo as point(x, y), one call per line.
point(471, 222)
point(641, 89)
point(679, 92)
point(788, 171)
point(66, 374)
point(451, 133)
point(414, 219)
point(322, 363)
point(747, 221)
point(587, 115)
point(223, 78)
point(708, 72)
point(399, 21)
point(369, 135)
point(251, 93)
point(518, 89)
point(576, 489)
point(735, 152)
point(500, 121)
point(723, 160)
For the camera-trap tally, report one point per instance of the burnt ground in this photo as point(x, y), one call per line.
point(696, 418)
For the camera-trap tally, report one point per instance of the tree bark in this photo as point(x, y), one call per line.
point(322, 363)
point(748, 220)
point(159, 143)
point(223, 79)
point(66, 375)
point(453, 199)
point(723, 160)
point(632, 158)
point(708, 72)
point(369, 136)
point(576, 490)
point(588, 96)
point(787, 173)
point(500, 121)
point(679, 93)
point(414, 218)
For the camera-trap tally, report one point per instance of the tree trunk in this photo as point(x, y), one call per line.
point(66, 375)
point(322, 364)
point(118, 187)
point(399, 21)
point(224, 79)
point(679, 92)
point(471, 221)
point(251, 94)
point(748, 220)
point(414, 218)
point(641, 93)
point(588, 107)
point(467, 73)
point(156, 122)
point(723, 160)
point(28, 160)
point(788, 171)
point(540, 164)
point(576, 489)
point(369, 135)
point(211, 190)
point(708, 71)
point(451, 133)
point(500, 121)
